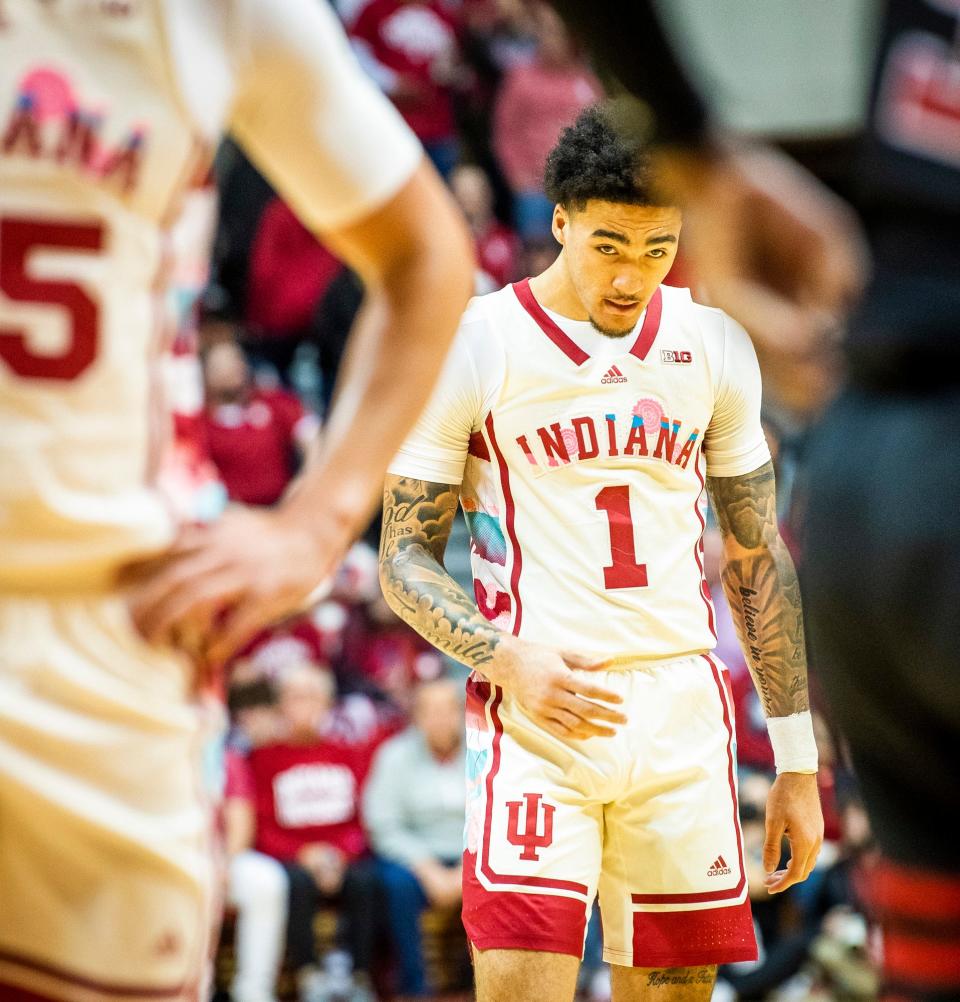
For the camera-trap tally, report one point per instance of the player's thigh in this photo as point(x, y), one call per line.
point(665, 984)
point(534, 832)
point(673, 890)
point(509, 975)
point(105, 853)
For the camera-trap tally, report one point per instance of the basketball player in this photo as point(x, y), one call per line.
point(580, 419)
point(107, 111)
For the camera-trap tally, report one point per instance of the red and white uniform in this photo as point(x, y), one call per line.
point(108, 111)
point(581, 461)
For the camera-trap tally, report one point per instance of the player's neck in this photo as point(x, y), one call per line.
point(554, 291)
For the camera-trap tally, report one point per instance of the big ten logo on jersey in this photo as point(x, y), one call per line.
point(644, 429)
point(535, 832)
point(48, 120)
point(674, 357)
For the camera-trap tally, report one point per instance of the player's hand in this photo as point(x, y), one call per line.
point(770, 245)
point(793, 810)
point(555, 690)
point(221, 583)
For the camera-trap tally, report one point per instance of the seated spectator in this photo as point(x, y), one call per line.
point(307, 799)
point(416, 825)
point(256, 884)
point(256, 438)
point(536, 102)
point(497, 245)
point(290, 273)
point(410, 49)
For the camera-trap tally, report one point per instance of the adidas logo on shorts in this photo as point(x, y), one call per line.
point(614, 375)
point(719, 868)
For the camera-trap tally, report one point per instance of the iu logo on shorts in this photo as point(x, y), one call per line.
point(530, 839)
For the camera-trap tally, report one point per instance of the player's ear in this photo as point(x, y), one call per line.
point(560, 222)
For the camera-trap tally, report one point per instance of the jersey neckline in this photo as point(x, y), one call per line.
point(640, 348)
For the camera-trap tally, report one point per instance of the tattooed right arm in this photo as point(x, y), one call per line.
point(417, 519)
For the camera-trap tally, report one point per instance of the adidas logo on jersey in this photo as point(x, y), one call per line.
point(719, 868)
point(614, 375)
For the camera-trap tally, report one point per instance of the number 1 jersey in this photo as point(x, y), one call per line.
point(582, 462)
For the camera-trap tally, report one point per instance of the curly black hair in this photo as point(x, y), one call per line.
point(597, 157)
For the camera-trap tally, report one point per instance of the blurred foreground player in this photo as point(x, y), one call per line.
point(882, 547)
point(107, 110)
point(580, 419)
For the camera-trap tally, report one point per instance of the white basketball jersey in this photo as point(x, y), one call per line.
point(583, 459)
point(108, 110)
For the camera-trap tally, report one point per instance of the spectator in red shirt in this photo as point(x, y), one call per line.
point(307, 792)
point(256, 438)
point(536, 102)
point(497, 245)
point(410, 48)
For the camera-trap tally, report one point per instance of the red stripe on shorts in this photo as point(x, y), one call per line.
point(698, 897)
point(495, 700)
point(504, 920)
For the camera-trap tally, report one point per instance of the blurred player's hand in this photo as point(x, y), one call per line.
point(770, 245)
point(221, 583)
point(554, 690)
point(793, 811)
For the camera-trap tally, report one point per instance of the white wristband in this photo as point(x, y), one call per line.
point(794, 747)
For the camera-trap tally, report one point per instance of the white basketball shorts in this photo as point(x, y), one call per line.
point(106, 862)
point(646, 819)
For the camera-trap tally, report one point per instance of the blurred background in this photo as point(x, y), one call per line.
point(355, 873)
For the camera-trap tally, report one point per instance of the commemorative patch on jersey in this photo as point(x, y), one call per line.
point(672, 356)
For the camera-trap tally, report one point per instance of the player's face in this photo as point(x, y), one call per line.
point(616, 255)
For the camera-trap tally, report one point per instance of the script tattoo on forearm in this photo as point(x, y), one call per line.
point(417, 519)
point(761, 585)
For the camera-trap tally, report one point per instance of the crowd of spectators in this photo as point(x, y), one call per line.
point(344, 792)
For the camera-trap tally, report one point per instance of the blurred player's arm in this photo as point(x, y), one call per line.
point(418, 516)
point(340, 155)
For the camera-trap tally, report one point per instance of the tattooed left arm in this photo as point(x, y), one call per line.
point(761, 586)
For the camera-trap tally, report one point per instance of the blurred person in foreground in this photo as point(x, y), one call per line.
point(256, 438)
point(882, 547)
point(581, 418)
point(307, 788)
point(413, 809)
point(108, 113)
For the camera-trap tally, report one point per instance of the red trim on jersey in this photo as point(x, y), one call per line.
point(650, 328)
point(493, 701)
point(477, 447)
point(694, 938)
point(517, 565)
point(501, 920)
point(60, 974)
point(698, 548)
point(567, 345)
point(730, 892)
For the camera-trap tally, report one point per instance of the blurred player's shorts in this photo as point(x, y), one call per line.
point(106, 859)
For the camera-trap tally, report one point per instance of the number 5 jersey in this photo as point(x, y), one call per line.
point(107, 111)
point(582, 461)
